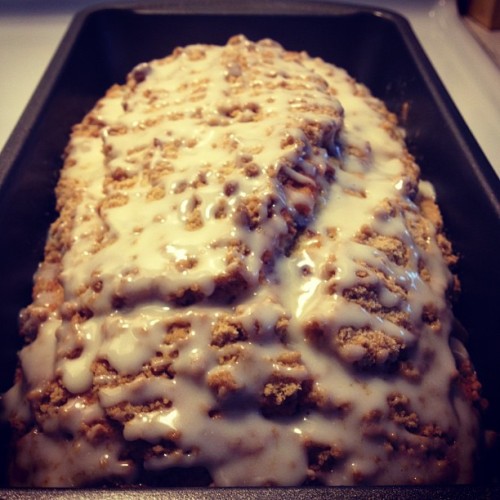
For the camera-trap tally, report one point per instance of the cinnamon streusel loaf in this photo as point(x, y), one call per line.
point(247, 284)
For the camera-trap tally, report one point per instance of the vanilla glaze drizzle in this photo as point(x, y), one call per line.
point(325, 320)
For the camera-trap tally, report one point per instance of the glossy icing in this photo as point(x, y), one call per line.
point(183, 134)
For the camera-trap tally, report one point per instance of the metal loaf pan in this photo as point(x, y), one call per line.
point(379, 49)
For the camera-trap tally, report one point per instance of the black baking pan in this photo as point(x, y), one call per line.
point(379, 49)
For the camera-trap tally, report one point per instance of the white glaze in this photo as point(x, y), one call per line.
point(149, 237)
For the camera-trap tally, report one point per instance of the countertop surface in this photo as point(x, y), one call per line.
point(30, 31)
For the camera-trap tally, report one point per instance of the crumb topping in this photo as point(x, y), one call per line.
point(247, 280)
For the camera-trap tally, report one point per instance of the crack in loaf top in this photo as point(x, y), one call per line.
point(214, 158)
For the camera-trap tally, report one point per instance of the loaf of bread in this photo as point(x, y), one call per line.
point(247, 284)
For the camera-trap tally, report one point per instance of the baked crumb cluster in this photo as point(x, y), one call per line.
point(248, 284)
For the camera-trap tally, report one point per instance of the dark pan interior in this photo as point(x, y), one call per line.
point(377, 48)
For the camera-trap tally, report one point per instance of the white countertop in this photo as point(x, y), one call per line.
point(30, 31)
